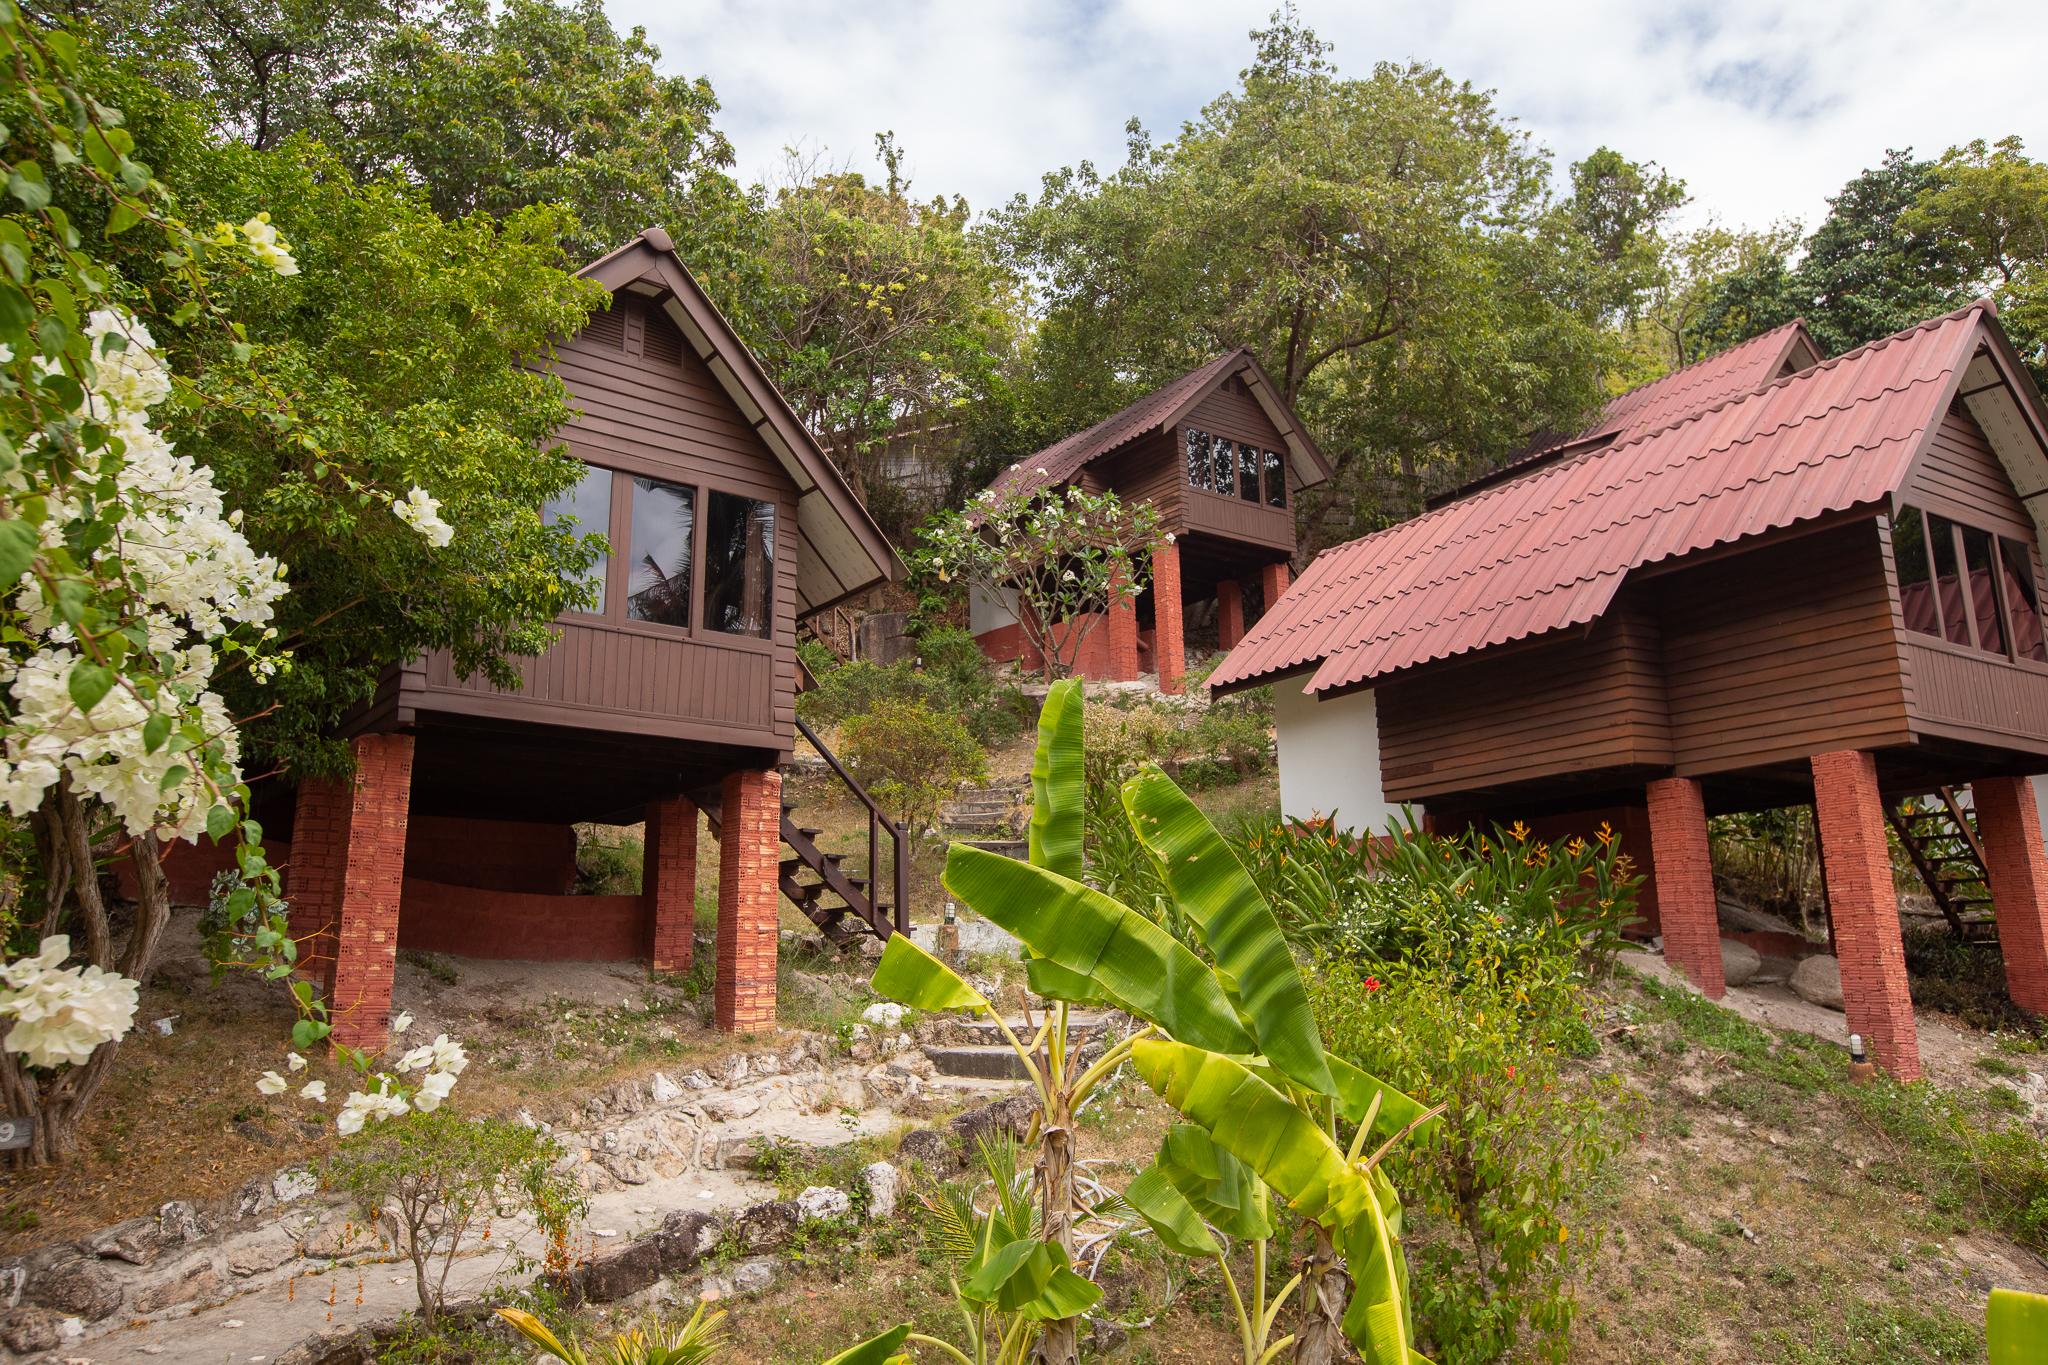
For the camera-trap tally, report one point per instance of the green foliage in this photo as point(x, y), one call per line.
point(911, 758)
point(1989, 202)
point(608, 864)
point(445, 1176)
point(949, 681)
point(695, 1342)
point(1769, 860)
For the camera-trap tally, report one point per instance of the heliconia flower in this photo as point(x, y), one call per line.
point(270, 1083)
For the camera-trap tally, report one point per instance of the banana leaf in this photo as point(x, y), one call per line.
point(1168, 1213)
point(1054, 982)
point(1355, 1091)
point(882, 1350)
point(1031, 1278)
point(2016, 1327)
point(911, 976)
point(1059, 797)
point(1252, 957)
point(1289, 1151)
point(1132, 960)
point(1219, 1186)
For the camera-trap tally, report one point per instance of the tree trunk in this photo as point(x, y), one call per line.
point(1058, 1340)
point(1325, 1292)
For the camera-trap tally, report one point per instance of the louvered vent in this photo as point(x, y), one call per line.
point(607, 328)
point(663, 342)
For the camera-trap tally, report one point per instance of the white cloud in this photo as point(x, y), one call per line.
point(1765, 109)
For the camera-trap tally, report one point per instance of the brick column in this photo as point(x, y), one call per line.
point(1273, 581)
point(366, 953)
point(749, 848)
point(1685, 882)
point(1229, 613)
point(668, 884)
point(2009, 825)
point(1122, 626)
point(1865, 906)
point(1169, 647)
point(313, 877)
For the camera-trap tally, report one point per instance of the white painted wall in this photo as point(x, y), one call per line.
point(987, 612)
point(1330, 758)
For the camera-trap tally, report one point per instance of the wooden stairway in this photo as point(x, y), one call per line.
point(841, 903)
point(1940, 837)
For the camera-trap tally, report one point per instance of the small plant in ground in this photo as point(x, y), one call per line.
point(912, 758)
point(446, 1179)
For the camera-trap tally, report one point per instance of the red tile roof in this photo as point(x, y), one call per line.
point(1548, 550)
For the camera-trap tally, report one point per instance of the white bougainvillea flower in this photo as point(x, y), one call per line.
point(448, 1055)
point(295, 1062)
point(266, 246)
point(402, 1022)
point(315, 1091)
point(270, 1083)
point(432, 1091)
point(361, 1107)
point(419, 1059)
point(419, 510)
point(61, 1014)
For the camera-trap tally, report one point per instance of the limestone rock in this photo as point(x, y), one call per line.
point(194, 1279)
point(72, 1284)
point(294, 1185)
point(179, 1222)
point(29, 1329)
point(726, 1108)
point(337, 1235)
point(687, 1236)
point(1739, 961)
point(1818, 981)
point(618, 1274)
point(261, 1251)
point(824, 1201)
point(664, 1090)
point(1011, 1115)
point(750, 1276)
point(930, 1147)
point(882, 1181)
point(766, 1227)
point(138, 1241)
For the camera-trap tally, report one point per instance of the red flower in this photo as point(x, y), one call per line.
point(1372, 983)
point(1511, 1073)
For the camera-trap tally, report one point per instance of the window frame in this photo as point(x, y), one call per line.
point(618, 573)
point(2002, 605)
point(1264, 502)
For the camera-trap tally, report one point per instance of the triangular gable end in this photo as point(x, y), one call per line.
point(2002, 398)
point(841, 551)
point(1303, 455)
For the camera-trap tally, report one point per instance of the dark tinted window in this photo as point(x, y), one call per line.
point(1198, 457)
point(1948, 581)
point(587, 506)
point(1248, 473)
point(1276, 480)
point(1909, 552)
point(1979, 556)
point(664, 523)
point(739, 565)
point(1222, 466)
point(2023, 609)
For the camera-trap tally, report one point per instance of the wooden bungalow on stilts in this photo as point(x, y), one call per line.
point(675, 695)
point(1764, 580)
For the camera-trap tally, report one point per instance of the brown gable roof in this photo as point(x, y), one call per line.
point(1062, 461)
point(1548, 550)
point(840, 550)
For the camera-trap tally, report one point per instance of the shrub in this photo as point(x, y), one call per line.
point(445, 1177)
point(956, 677)
point(912, 757)
point(608, 864)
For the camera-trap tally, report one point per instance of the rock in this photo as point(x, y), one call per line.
point(252, 1131)
point(687, 1236)
point(821, 1202)
point(179, 1222)
point(735, 1069)
point(929, 1147)
point(1011, 1114)
point(13, 1275)
point(196, 1278)
point(618, 1274)
point(336, 1346)
point(261, 1251)
point(28, 1329)
point(764, 1064)
point(293, 1185)
point(1739, 961)
point(699, 1080)
point(1106, 1335)
point(664, 1090)
point(1818, 981)
point(138, 1241)
point(748, 1277)
point(74, 1285)
point(255, 1197)
point(726, 1108)
point(336, 1235)
point(882, 1181)
point(766, 1227)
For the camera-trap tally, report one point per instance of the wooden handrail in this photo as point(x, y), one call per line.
point(878, 819)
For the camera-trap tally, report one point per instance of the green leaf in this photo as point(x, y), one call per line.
point(875, 1350)
point(306, 1032)
point(1054, 982)
point(1131, 959)
point(155, 731)
point(1031, 1278)
point(1211, 887)
point(220, 820)
point(17, 551)
point(26, 184)
point(1168, 1213)
point(911, 976)
point(1059, 800)
point(2016, 1327)
point(88, 683)
point(1355, 1092)
point(121, 217)
point(1221, 1188)
point(174, 775)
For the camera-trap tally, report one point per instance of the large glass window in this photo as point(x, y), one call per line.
point(1222, 466)
point(2022, 605)
point(1916, 583)
point(1276, 480)
point(1248, 473)
point(663, 540)
point(739, 565)
point(587, 507)
point(1198, 458)
point(1981, 569)
point(1948, 580)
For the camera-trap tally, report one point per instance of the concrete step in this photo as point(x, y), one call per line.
point(978, 1063)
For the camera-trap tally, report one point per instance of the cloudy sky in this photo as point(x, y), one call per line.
point(1764, 107)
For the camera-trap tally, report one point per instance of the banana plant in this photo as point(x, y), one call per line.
point(2016, 1327)
point(1221, 1042)
point(695, 1343)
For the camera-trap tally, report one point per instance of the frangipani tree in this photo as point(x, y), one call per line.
point(1231, 1042)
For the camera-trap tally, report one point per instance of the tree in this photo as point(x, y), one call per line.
point(1620, 208)
point(1706, 295)
point(1989, 203)
point(1066, 558)
point(1384, 244)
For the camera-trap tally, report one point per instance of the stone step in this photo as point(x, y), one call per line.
point(978, 1063)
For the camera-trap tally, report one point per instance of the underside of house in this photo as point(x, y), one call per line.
point(672, 697)
point(1221, 456)
point(1761, 582)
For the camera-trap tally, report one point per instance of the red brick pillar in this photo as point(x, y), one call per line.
point(1229, 613)
point(2009, 824)
point(1273, 581)
point(668, 884)
point(1169, 647)
point(1685, 882)
point(313, 877)
point(749, 849)
point(366, 952)
point(1858, 864)
point(1123, 639)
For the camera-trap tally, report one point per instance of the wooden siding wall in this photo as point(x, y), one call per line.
point(1151, 471)
point(1961, 477)
point(1783, 652)
point(1578, 705)
point(649, 407)
point(1239, 417)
